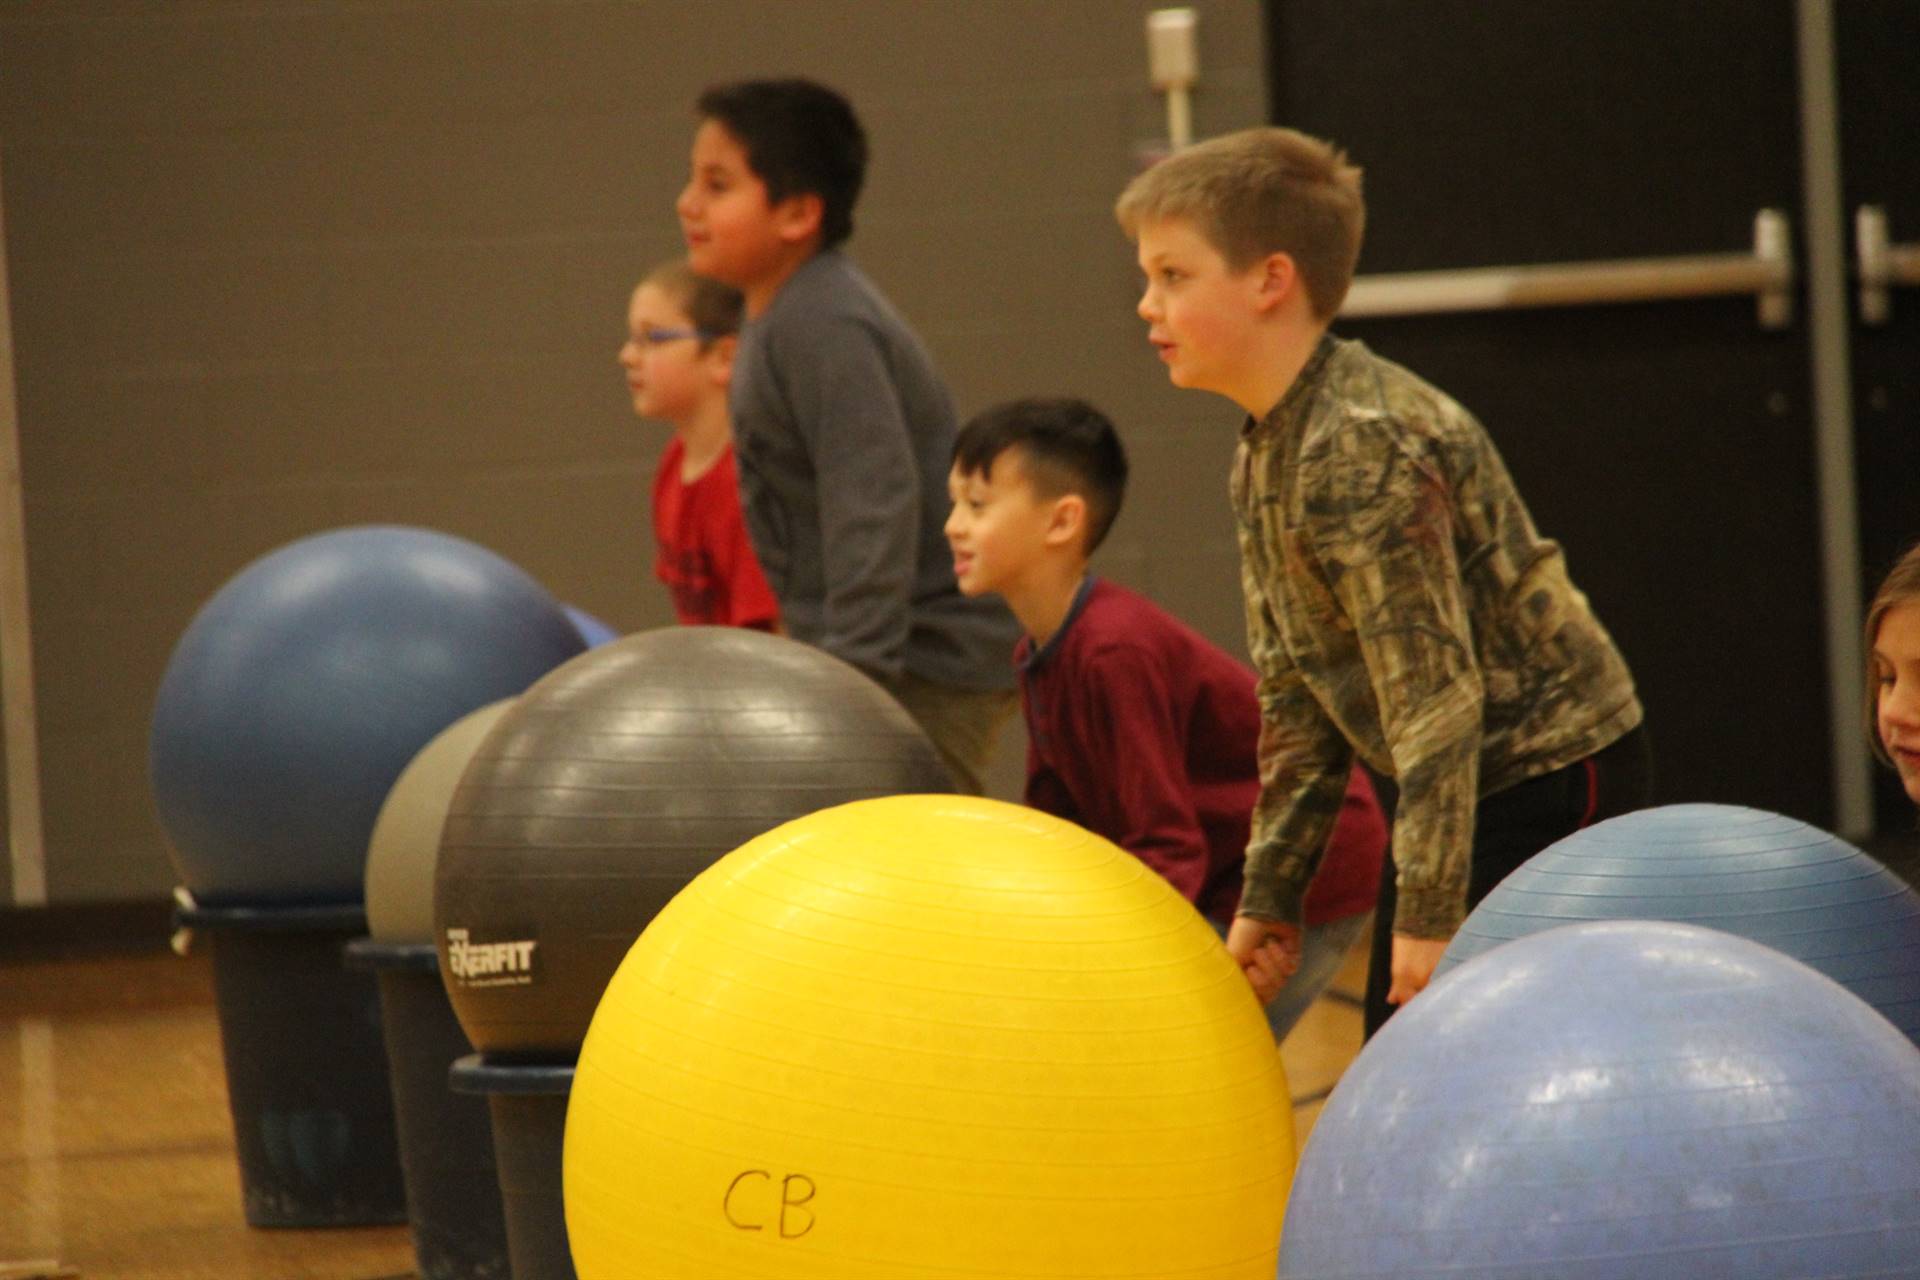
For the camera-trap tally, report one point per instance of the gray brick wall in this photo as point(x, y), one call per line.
point(278, 267)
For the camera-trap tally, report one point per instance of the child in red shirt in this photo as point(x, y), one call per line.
point(1138, 728)
point(681, 333)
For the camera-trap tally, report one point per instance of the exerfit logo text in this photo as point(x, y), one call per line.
point(489, 964)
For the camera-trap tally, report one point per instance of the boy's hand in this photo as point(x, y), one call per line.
point(1414, 960)
point(1268, 953)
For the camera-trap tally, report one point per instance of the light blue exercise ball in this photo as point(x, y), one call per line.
point(1760, 875)
point(1612, 1100)
point(591, 629)
point(305, 685)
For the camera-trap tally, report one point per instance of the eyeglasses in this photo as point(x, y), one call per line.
point(648, 336)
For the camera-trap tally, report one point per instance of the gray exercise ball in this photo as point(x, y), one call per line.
point(406, 835)
point(617, 779)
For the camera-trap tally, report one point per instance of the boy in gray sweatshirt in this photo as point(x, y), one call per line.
point(842, 429)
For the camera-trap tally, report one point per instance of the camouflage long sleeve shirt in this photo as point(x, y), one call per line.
point(1400, 604)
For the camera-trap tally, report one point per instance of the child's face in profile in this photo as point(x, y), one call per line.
point(1200, 314)
point(998, 527)
point(668, 375)
point(732, 232)
point(1896, 672)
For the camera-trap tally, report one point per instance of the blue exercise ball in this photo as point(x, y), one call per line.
point(591, 629)
point(1760, 875)
point(304, 686)
point(1622, 1099)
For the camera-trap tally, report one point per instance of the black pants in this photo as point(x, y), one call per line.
point(1511, 826)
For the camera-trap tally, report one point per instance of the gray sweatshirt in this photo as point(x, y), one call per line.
point(843, 434)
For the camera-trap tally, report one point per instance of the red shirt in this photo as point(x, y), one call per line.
point(1142, 731)
point(705, 558)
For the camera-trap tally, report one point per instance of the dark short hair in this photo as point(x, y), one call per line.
point(801, 138)
point(1066, 445)
point(714, 308)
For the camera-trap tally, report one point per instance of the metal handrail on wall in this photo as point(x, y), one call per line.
point(1767, 272)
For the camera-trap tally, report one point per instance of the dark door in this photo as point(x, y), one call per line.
point(1670, 446)
point(1877, 51)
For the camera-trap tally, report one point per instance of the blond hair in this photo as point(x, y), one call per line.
point(1902, 586)
point(1262, 191)
point(714, 308)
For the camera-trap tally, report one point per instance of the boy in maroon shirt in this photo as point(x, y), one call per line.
point(1137, 727)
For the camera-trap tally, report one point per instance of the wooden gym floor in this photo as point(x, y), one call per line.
point(116, 1148)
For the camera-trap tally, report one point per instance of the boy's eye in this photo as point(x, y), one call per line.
point(654, 336)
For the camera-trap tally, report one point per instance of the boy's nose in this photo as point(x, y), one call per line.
point(1146, 308)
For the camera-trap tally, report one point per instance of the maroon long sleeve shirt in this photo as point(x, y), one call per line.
point(1142, 731)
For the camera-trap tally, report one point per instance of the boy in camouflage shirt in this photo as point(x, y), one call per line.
point(1400, 604)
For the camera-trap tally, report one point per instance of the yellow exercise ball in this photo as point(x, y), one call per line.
point(927, 1036)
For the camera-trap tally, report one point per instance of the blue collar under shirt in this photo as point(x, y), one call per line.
point(1026, 657)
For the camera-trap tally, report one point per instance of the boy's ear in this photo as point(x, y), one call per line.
point(720, 353)
point(798, 216)
point(1275, 277)
point(1067, 521)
